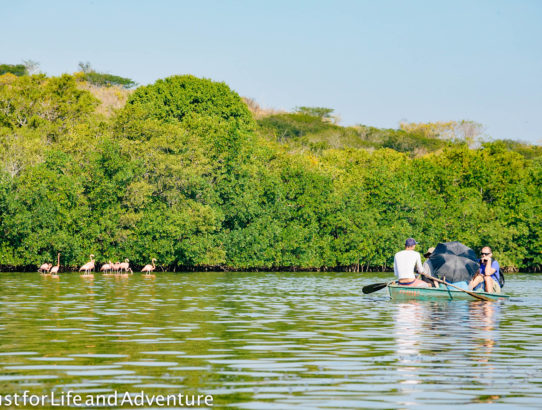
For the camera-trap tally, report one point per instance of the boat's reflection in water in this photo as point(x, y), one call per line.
point(409, 318)
point(436, 340)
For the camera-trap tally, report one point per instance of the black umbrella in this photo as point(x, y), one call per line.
point(454, 261)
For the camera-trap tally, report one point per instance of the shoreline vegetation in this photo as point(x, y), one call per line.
point(186, 171)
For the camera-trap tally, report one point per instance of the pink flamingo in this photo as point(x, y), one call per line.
point(116, 266)
point(54, 269)
point(125, 266)
point(106, 267)
point(149, 268)
point(88, 267)
point(45, 268)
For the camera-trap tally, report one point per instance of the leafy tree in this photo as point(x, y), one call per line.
point(319, 112)
point(284, 127)
point(463, 130)
point(107, 80)
point(182, 174)
point(102, 79)
point(16, 69)
point(36, 101)
point(179, 98)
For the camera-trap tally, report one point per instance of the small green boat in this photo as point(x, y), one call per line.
point(442, 293)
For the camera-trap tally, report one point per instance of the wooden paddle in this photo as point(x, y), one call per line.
point(473, 294)
point(374, 287)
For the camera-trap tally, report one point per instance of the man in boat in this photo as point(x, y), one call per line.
point(488, 275)
point(404, 264)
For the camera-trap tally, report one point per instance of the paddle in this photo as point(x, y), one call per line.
point(374, 287)
point(473, 294)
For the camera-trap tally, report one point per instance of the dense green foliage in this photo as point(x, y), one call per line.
point(106, 80)
point(16, 69)
point(98, 79)
point(309, 129)
point(319, 112)
point(184, 174)
point(181, 98)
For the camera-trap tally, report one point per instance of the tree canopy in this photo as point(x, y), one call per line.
point(16, 69)
point(184, 174)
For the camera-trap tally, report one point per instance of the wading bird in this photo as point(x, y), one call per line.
point(45, 268)
point(106, 267)
point(125, 266)
point(149, 268)
point(54, 269)
point(88, 267)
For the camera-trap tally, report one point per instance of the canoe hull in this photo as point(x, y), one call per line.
point(412, 293)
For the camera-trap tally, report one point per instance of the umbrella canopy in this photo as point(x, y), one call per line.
point(454, 261)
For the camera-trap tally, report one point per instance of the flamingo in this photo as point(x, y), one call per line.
point(88, 267)
point(116, 266)
point(106, 267)
point(45, 268)
point(125, 266)
point(54, 269)
point(149, 268)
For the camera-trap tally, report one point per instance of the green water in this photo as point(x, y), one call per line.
point(269, 341)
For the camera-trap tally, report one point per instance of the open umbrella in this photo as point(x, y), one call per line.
point(454, 261)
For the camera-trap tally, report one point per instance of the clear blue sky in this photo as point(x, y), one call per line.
point(375, 62)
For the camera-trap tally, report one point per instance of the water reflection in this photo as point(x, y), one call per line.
point(409, 319)
point(268, 340)
point(484, 319)
point(433, 337)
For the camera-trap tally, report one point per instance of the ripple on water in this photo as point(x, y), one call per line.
point(17, 377)
point(149, 364)
point(59, 367)
point(99, 355)
point(271, 340)
point(165, 352)
point(17, 353)
point(99, 372)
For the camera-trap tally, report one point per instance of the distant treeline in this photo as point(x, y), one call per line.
point(184, 173)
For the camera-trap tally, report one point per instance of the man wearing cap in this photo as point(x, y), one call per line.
point(404, 264)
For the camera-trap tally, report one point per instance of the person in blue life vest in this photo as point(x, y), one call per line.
point(488, 275)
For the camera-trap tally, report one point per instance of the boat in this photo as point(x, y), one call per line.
point(398, 292)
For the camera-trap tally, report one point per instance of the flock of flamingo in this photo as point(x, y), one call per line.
point(108, 269)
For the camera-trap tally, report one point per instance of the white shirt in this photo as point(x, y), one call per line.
point(405, 262)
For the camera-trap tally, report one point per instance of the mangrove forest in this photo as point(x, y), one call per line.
point(190, 173)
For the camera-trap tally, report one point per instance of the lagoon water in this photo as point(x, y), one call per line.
point(270, 341)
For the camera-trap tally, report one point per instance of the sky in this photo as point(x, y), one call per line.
point(375, 63)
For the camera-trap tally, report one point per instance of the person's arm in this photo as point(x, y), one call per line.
point(490, 270)
point(427, 268)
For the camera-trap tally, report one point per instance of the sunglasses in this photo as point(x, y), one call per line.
point(484, 254)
